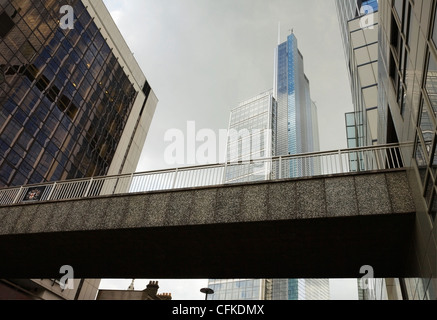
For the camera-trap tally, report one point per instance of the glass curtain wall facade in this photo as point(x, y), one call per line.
point(297, 124)
point(252, 136)
point(269, 289)
point(65, 96)
point(353, 131)
point(238, 289)
point(405, 45)
point(359, 31)
point(73, 103)
point(301, 289)
point(408, 109)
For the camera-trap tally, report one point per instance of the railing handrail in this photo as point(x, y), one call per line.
point(291, 166)
point(216, 165)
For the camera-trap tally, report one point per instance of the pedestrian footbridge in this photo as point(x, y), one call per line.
point(183, 224)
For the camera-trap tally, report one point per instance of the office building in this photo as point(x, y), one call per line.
point(269, 289)
point(407, 38)
point(251, 136)
point(74, 104)
point(407, 109)
point(297, 122)
point(239, 289)
point(281, 122)
point(359, 32)
point(74, 101)
point(300, 289)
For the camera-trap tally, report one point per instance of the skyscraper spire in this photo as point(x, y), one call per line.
point(279, 33)
point(132, 286)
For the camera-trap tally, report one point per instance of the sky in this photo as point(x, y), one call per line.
point(203, 57)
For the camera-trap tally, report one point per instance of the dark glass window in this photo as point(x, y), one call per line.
point(6, 24)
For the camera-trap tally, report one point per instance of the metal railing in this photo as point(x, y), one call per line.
point(293, 166)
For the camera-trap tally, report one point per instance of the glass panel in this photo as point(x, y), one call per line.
point(434, 33)
point(431, 82)
point(6, 24)
point(421, 160)
point(427, 127)
point(433, 210)
point(429, 190)
point(399, 6)
point(351, 133)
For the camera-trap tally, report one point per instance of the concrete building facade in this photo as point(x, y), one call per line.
point(407, 105)
point(406, 67)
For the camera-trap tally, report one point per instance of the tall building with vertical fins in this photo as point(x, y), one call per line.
point(74, 103)
point(290, 115)
point(297, 122)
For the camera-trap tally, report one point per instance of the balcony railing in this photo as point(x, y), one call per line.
point(293, 166)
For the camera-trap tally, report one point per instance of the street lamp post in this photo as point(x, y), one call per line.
point(207, 291)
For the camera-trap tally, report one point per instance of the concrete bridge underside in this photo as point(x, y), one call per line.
point(325, 227)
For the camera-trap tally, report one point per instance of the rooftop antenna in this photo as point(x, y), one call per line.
point(279, 33)
point(132, 287)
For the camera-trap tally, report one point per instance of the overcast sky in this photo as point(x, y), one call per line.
point(203, 57)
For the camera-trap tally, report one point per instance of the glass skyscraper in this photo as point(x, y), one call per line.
point(240, 289)
point(289, 114)
point(74, 103)
point(269, 289)
point(252, 136)
point(297, 123)
point(300, 289)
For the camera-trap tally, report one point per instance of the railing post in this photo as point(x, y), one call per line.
point(225, 168)
point(51, 192)
point(340, 161)
point(175, 178)
point(377, 159)
point(280, 167)
point(88, 188)
point(131, 178)
point(18, 195)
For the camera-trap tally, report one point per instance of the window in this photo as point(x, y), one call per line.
point(431, 82)
point(434, 33)
point(433, 210)
point(6, 24)
point(421, 160)
point(427, 128)
point(399, 7)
